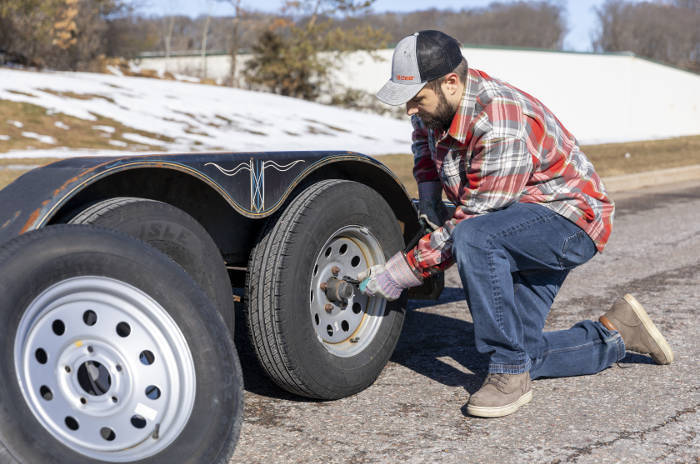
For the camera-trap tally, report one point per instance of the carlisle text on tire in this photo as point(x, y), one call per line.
point(173, 232)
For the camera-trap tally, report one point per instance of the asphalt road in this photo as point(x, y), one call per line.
point(634, 411)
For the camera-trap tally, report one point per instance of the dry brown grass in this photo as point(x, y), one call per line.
point(609, 159)
point(7, 176)
point(77, 96)
point(80, 135)
point(4, 162)
point(9, 171)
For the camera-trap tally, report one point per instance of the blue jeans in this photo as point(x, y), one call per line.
point(512, 263)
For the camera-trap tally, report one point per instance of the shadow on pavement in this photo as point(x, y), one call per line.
point(448, 295)
point(441, 347)
point(634, 358)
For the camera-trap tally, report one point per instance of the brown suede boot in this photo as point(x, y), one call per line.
point(500, 395)
point(628, 317)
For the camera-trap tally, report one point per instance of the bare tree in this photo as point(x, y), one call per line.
point(288, 58)
point(235, 38)
point(129, 35)
point(168, 24)
point(527, 24)
point(663, 31)
point(537, 24)
point(693, 5)
point(205, 34)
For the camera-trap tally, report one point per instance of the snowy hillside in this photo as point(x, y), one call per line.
point(599, 97)
point(131, 113)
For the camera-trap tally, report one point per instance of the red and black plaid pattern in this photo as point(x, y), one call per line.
point(505, 146)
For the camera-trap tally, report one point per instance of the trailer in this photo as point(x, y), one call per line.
point(117, 278)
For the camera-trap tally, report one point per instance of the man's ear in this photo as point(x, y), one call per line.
point(450, 84)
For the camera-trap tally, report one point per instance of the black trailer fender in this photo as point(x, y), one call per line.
point(231, 195)
point(228, 193)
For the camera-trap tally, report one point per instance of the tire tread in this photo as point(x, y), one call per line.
point(92, 213)
point(264, 289)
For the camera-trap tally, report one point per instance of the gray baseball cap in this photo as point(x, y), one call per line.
point(419, 58)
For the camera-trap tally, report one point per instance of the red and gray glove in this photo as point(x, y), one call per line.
point(390, 279)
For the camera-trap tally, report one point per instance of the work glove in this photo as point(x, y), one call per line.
point(390, 279)
point(432, 209)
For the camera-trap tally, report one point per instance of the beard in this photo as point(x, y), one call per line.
point(443, 116)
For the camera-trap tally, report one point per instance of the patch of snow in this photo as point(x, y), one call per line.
point(15, 123)
point(185, 78)
point(114, 70)
point(118, 143)
point(206, 117)
point(41, 138)
point(61, 125)
point(4, 138)
point(142, 139)
point(19, 167)
point(108, 129)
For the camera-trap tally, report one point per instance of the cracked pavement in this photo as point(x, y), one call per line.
point(635, 411)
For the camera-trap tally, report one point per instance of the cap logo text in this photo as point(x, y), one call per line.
point(400, 77)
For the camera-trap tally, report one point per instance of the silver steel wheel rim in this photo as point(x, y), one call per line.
point(346, 331)
point(105, 369)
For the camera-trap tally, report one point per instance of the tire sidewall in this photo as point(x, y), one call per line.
point(345, 204)
point(43, 258)
point(173, 232)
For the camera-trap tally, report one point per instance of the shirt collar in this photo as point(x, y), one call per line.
point(465, 112)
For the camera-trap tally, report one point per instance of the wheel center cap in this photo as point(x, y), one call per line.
point(94, 378)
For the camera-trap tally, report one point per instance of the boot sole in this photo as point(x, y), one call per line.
point(499, 411)
point(651, 329)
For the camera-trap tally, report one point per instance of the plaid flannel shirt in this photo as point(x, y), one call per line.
point(504, 146)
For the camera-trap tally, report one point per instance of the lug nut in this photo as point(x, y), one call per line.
point(323, 286)
point(328, 307)
point(335, 270)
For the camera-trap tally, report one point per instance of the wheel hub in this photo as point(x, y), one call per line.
point(345, 320)
point(338, 291)
point(92, 374)
point(94, 378)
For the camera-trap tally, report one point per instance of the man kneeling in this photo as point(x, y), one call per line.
point(529, 208)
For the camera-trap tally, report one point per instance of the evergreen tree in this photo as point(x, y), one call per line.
point(296, 54)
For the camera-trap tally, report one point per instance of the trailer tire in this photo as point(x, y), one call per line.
point(173, 232)
point(304, 349)
point(163, 385)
